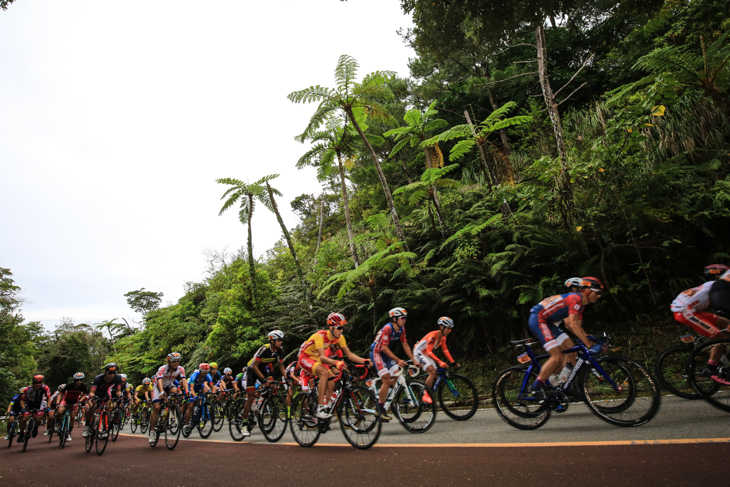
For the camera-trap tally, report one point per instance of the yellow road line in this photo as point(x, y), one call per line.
point(682, 441)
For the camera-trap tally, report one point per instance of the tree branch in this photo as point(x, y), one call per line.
point(516, 45)
point(566, 98)
point(523, 62)
point(576, 74)
point(511, 77)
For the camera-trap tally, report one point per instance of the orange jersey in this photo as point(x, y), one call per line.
point(321, 339)
point(431, 342)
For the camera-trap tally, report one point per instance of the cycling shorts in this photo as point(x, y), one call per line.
point(156, 392)
point(197, 387)
point(548, 334)
point(252, 379)
point(703, 323)
point(383, 364)
point(66, 404)
point(38, 414)
point(427, 361)
point(304, 378)
point(309, 364)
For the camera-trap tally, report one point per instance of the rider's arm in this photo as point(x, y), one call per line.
point(282, 370)
point(446, 350)
point(575, 325)
point(353, 357)
point(325, 359)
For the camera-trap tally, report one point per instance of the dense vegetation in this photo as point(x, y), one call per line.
point(528, 145)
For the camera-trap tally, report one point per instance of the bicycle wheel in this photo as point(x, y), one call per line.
point(144, 421)
point(458, 397)
point(28, 432)
point(217, 414)
point(359, 415)
point(205, 421)
point(63, 430)
point(413, 413)
point(236, 424)
point(272, 417)
point(635, 402)
point(116, 424)
point(127, 416)
point(172, 427)
point(304, 425)
point(705, 381)
point(134, 422)
point(672, 371)
point(511, 399)
point(11, 432)
point(104, 430)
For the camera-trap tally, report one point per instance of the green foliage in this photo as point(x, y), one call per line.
point(142, 301)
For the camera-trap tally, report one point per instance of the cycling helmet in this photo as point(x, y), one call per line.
point(446, 322)
point(38, 379)
point(276, 335)
point(593, 283)
point(714, 271)
point(173, 357)
point(124, 377)
point(204, 368)
point(146, 381)
point(111, 367)
point(214, 365)
point(573, 282)
point(61, 388)
point(227, 371)
point(22, 390)
point(79, 376)
point(398, 313)
point(336, 319)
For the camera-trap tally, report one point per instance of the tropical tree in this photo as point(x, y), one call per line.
point(243, 194)
point(334, 142)
point(431, 179)
point(348, 97)
point(419, 126)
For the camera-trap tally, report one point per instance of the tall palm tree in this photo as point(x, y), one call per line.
point(269, 201)
point(419, 125)
point(336, 141)
point(244, 194)
point(349, 96)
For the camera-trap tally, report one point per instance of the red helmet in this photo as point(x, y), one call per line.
point(592, 282)
point(38, 379)
point(713, 271)
point(336, 319)
point(204, 368)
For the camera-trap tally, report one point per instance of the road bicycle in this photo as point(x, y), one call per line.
point(144, 417)
point(356, 408)
point(617, 389)
point(12, 431)
point(406, 400)
point(457, 394)
point(169, 421)
point(672, 367)
point(203, 416)
point(101, 428)
point(63, 424)
point(268, 410)
point(30, 426)
point(712, 385)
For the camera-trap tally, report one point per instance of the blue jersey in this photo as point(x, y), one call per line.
point(387, 336)
point(15, 403)
point(198, 379)
point(558, 307)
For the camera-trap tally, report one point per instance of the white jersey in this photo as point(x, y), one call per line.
point(695, 299)
point(725, 275)
point(168, 376)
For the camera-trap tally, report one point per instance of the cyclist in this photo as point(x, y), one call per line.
point(548, 312)
point(423, 352)
point(35, 397)
point(74, 393)
point(386, 363)
point(200, 381)
point(13, 410)
point(688, 309)
point(291, 375)
point(228, 384)
point(215, 375)
point(103, 388)
point(257, 369)
point(142, 393)
point(165, 384)
point(313, 360)
point(53, 406)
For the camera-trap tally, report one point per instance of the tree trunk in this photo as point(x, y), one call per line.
point(251, 268)
point(290, 244)
point(482, 153)
point(405, 170)
point(505, 163)
point(319, 234)
point(346, 203)
point(566, 193)
point(431, 164)
point(383, 181)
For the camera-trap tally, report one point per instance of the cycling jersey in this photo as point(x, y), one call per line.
point(35, 398)
point(103, 389)
point(321, 339)
point(168, 375)
point(428, 344)
point(548, 312)
point(696, 299)
point(291, 369)
point(51, 402)
point(198, 380)
point(265, 356)
point(227, 382)
point(387, 337)
point(15, 405)
point(73, 392)
point(141, 389)
point(215, 378)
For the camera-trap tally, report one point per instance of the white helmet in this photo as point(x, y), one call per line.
point(398, 313)
point(276, 335)
point(227, 370)
point(574, 282)
point(446, 322)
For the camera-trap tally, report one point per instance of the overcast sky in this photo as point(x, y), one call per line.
point(116, 118)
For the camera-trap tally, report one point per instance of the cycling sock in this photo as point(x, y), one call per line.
point(712, 363)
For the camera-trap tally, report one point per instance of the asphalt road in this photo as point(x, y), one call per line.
point(688, 443)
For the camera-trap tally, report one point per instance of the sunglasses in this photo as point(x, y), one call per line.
point(340, 328)
point(112, 372)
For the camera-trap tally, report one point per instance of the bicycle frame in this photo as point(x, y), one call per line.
point(400, 384)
